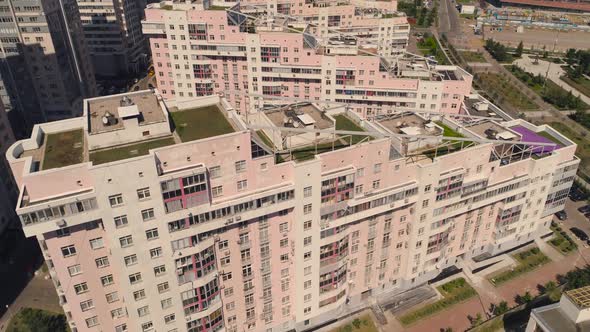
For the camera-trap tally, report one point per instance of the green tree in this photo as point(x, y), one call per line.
point(552, 291)
point(519, 49)
point(356, 323)
point(35, 320)
point(501, 308)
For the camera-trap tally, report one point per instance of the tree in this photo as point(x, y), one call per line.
point(422, 17)
point(526, 298)
point(35, 320)
point(519, 49)
point(356, 323)
point(552, 291)
point(501, 308)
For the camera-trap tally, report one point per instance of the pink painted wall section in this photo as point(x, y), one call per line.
point(91, 275)
point(228, 149)
point(58, 182)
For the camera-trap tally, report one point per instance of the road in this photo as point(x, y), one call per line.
point(448, 18)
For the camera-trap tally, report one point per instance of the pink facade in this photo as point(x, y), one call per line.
point(199, 52)
point(215, 234)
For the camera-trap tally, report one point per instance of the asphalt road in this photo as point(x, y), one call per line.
point(448, 17)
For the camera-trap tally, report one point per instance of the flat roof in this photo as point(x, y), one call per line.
point(299, 116)
point(491, 130)
point(147, 107)
point(410, 124)
point(200, 122)
point(531, 136)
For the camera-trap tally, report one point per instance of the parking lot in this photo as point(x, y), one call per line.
point(575, 219)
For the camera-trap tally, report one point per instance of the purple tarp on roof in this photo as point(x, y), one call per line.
point(531, 136)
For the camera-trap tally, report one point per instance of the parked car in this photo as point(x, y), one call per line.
point(580, 234)
point(561, 215)
point(584, 209)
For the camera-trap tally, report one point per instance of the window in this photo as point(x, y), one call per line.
point(121, 221)
point(230, 306)
point(229, 291)
point(135, 278)
point(151, 234)
point(139, 295)
point(360, 172)
point(163, 287)
point(102, 262)
point(117, 313)
point(307, 255)
point(112, 297)
point(307, 192)
point(307, 284)
point(142, 311)
point(284, 227)
point(307, 270)
point(242, 185)
point(116, 200)
point(240, 166)
point(156, 252)
point(74, 270)
point(143, 193)
point(121, 328)
point(68, 251)
point(147, 214)
point(376, 184)
point(285, 284)
point(86, 305)
point(166, 303)
point(81, 288)
point(377, 168)
point(223, 244)
point(160, 270)
point(126, 241)
point(307, 241)
point(284, 258)
point(217, 191)
point(227, 276)
point(107, 280)
point(96, 243)
point(427, 188)
point(425, 203)
point(307, 225)
point(214, 172)
point(147, 326)
point(130, 260)
point(307, 209)
point(92, 321)
point(169, 318)
point(63, 232)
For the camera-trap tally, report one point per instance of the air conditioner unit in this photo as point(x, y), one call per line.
point(61, 223)
point(238, 218)
point(179, 272)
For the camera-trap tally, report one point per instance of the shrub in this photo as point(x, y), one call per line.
point(356, 323)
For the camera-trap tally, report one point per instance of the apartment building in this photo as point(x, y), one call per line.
point(8, 191)
point(198, 51)
point(45, 70)
point(373, 24)
point(113, 32)
point(181, 216)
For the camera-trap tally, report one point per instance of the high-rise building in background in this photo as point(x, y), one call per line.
point(200, 50)
point(272, 220)
point(113, 32)
point(8, 190)
point(45, 68)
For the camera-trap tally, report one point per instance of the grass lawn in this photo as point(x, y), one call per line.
point(527, 261)
point(453, 292)
point(265, 139)
point(581, 84)
point(129, 151)
point(583, 150)
point(448, 131)
point(549, 137)
point(63, 149)
point(308, 152)
point(36, 320)
point(430, 47)
point(562, 241)
point(200, 123)
point(361, 324)
point(493, 325)
point(345, 123)
point(498, 87)
point(472, 56)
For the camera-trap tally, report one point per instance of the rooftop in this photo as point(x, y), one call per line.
point(491, 130)
point(580, 297)
point(107, 113)
point(541, 137)
point(201, 122)
point(409, 124)
point(300, 116)
point(63, 149)
point(128, 151)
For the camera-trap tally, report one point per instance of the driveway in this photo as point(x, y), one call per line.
point(555, 73)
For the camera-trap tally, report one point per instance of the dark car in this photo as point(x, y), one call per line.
point(587, 215)
point(584, 209)
point(580, 234)
point(561, 215)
